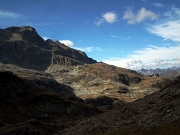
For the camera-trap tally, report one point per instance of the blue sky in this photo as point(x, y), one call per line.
point(127, 33)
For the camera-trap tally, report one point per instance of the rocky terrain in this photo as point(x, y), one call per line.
point(157, 113)
point(93, 80)
point(171, 73)
point(27, 108)
point(40, 78)
point(49, 88)
point(49, 63)
point(23, 46)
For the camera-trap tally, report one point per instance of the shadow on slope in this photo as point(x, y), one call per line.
point(158, 113)
point(26, 108)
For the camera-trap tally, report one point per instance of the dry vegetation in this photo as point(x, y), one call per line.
point(158, 113)
point(93, 80)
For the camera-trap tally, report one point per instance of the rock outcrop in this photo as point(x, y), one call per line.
point(63, 55)
point(24, 47)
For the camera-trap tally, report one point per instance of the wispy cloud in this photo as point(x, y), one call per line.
point(157, 5)
point(89, 49)
point(114, 36)
point(109, 17)
point(9, 15)
point(12, 18)
point(169, 27)
point(149, 58)
point(67, 42)
point(140, 16)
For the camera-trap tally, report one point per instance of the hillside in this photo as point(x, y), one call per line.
point(23, 46)
point(158, 113)
point(93, 80)
point(48, 88)
point(27, 108)
point(168, 73)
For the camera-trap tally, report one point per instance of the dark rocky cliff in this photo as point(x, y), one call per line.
point(24, 47)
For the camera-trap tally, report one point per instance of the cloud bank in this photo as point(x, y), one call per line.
point(109, 17)
point(140, 16)
point(149, 58)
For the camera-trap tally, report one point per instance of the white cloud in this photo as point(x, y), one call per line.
point(149, 58)
point(89, 49)
point(114, 36)
point(109, 17)
point(167, 30)
point(169, 27)
point(9, 15)
point(67, 42)
point(157, 5)
point(142, 15)
point(45, 38)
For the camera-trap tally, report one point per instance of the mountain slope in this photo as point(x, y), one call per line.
point(168, 73)
point(93, 80)
point(27, 108)
point(158, 113)
point(24, 47)
point(45, 87)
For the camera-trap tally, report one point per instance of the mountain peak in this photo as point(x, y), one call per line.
point(24, 47)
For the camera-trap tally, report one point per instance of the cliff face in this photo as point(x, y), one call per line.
point(24, 47)
point(63, 55)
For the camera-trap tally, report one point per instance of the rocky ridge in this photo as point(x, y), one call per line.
point(23, 46)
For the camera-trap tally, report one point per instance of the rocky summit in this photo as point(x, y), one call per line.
point(48, 88)
point(23, 46)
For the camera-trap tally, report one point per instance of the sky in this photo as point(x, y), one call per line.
point(132, 34)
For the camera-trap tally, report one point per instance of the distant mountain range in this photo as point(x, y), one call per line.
point(169, 72)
